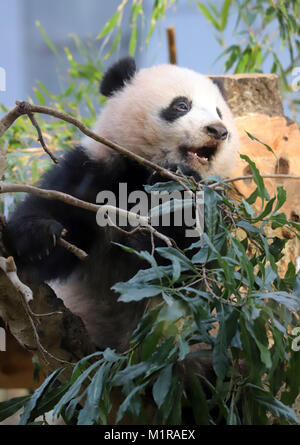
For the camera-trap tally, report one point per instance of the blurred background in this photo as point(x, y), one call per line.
point(27, 58)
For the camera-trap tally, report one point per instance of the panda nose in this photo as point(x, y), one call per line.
point(217, 131)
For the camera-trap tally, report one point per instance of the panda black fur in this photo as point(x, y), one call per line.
point(171, 115)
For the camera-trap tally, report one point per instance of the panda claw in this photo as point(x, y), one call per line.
point(64, 232)
point(54, 240)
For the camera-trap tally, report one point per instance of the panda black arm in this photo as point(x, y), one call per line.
point(35, 225)
point(29, 232)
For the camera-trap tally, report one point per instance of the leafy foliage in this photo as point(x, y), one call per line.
point(223, 293)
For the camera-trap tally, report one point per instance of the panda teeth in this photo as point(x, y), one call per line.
point(201, 159)
point(198, 155)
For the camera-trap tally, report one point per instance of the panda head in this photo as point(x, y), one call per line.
point(166, 114)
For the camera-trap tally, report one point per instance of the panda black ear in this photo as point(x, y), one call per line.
point(219, 82)
point(115, 77)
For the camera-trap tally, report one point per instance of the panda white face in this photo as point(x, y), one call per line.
point(170, 114)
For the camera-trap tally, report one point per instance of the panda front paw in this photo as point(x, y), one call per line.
point(32, 238)
point(175, 168)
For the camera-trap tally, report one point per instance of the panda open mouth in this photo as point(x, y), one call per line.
point(201, 154)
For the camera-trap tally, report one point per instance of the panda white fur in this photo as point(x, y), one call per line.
point(170, 115)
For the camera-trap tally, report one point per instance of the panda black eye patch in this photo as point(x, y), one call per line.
point(179, 106)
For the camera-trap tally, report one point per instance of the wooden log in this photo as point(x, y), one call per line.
point(252, 93)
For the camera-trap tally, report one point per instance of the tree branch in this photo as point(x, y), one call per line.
point(273, 176)
point(25, 108)
point(60, 337)
point(40, 137)
point(68, 199)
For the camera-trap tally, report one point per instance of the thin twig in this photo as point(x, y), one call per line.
point(40, 136)
point(142, 228)
point(265, 176)
point(274, 176)
point(209, 288)
point(81, 254)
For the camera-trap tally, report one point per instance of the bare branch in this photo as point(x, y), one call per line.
point(9, 119)
point(81, 254)
point(40, 137)
point(64, 337)
point(242, 178)
point(273, 176)
point(68, 199)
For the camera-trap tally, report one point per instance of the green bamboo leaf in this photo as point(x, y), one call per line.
point(173, 311)
point(266, 211)
point(292, 379)
point(255, 330)
point(162, 385)
point(90, 412)
point(39, 96)
point(169, 186)
point(109, 25)
point(133, 41)
point(199, 400)
point(254, 138)
point(248, 208)
point(46, 91)
point(220, 355)
point(114, 44)
point(130, 373)
point(235, 53)
point(208, 14)
point(243, 61)
point(130, 292)
point(49, 399)
point(277, 408)
point(183, 348)
point(290, 301)
point(173, 255)
point(125, 406)
point(46, 37)
point(225, 13)
point(262, 191)
point(74, 389)
point(31, 404)
point(10, 407)
point(171, 408)
point(281, 198)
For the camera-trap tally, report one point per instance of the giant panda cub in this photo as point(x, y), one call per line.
point(170, 115)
